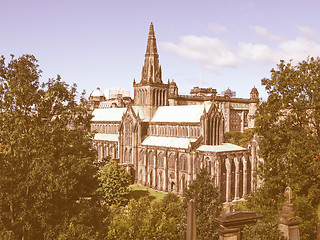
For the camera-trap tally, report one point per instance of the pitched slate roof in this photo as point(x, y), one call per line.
point(108, 114)
point(138, 110)
point(224, 147)
point(168, 142)
point(106, 137)
point(183, 113)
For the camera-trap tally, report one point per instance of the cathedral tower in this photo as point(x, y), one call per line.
point(151, 92)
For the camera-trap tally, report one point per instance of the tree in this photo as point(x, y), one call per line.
point(164, 218)
point(239, 138)
point(114, 183)
point(141, 219)
point(89, 220)
point(262, 230)
point(208, 205)
point(46, 154)
point(289, 124)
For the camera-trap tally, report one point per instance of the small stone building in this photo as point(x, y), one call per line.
point(164, 139)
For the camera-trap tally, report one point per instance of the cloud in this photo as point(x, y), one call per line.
point(216, 54)
point(218, 28)
point(264, 33)
point(212, 53)
point(307, 31)
point(257, 52)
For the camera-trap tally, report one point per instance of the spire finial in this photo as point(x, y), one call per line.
point(151, 70)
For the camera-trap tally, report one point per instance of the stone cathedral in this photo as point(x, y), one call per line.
point(164, 139)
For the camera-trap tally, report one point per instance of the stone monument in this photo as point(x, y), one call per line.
point(289, 223)
point(231, 223)
point(191, 221)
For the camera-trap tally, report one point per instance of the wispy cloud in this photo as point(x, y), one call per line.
point(264, 33)
point(212, 53)
point(215, 54)
point(218, 28)
point(307, 31)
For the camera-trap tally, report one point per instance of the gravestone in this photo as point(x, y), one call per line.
point(231, 223)
point(289, 223)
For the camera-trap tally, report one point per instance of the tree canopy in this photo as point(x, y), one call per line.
point(208, 205)
point(45, 151)
point(239, 138)
point(114, 183)
point(289, 126)
point(142, 219)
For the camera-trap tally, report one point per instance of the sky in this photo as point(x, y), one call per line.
point(205, 43)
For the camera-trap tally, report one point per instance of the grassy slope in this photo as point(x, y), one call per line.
point(138, 191)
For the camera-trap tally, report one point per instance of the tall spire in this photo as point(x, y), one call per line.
point(151, 72)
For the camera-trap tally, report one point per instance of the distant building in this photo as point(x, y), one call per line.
point(117, 98)
point(229, 93)
point(164, 138)
point(117, 93)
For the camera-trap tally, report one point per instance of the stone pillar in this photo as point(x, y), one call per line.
point(177, 175)
point(195, 162)
point(189, 167)
point(253, 167)
point(166, 177)
point(242, 121)
point(219, 182)
point(155, 175)
point(237, 178)
point(228, 187)
point(145, 167)
point(191, 221)
point(217, 172)
point(245, 175)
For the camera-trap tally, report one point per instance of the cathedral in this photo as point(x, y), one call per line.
point(163, 139)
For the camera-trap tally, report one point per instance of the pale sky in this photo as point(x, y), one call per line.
point(205, 43)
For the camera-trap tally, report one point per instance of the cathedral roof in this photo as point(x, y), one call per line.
point(169, 114)
point(108, 114)
point(172, 142)
point(224, 147)
point(182, 113)
point(138, 110)
point(106, 137)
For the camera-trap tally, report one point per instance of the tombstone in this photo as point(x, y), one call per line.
point(231, 223)
point(289, 223)
point(191, 220)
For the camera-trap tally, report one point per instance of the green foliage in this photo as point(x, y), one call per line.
point(142, 220)
point(289, 124)
point(208, 206)
point(89, 221)
point(304, 209)
point(114, 183)
point(45, 151)
point(262, 231)
point(239, 138)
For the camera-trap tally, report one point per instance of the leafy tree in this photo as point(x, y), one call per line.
point(208, 205)
point(239, 138)
point(90, 220)
point(114, 183)
point(141, 219)
point(164, 218)
point(289, 123)
point(45, 151)
point(262, 230)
